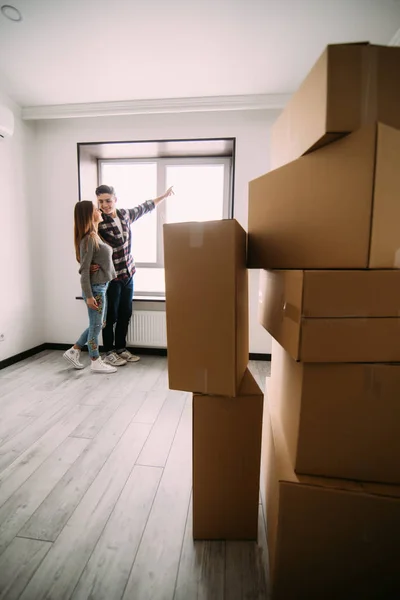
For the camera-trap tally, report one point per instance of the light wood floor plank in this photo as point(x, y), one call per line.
point(131, 374)
point(18, 564)
point(22, 468)
point(62, 567)
point(245, 569)
point(201, 569)
point(99, 416)
point(151, 407)
point(40, 402)
point(263, 549)
point(13, 448)
point(9, 385)
point(48, 521)
point(162, 381)
point(147, 377)
point(83, 384)
point(11, 427)
point(107, 571)
point(89, 493)
point(156, 449)
point(21, 505)
point(44, 357)
point(156, 566)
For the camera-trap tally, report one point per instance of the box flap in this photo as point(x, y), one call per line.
point(280, 306)
point(249, 386)
point(315, 213)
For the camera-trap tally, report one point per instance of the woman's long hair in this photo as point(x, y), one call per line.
point(84, 225)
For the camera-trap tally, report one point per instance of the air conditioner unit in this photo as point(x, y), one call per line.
point(6, 122)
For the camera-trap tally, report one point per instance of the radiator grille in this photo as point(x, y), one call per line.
point(148, 329)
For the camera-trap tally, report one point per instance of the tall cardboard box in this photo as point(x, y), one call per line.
point(338, 420)
point(336, 208)
point(327, 538)
point(350, 85)
point(226, 463)
point(206, 285)
point(333, 316)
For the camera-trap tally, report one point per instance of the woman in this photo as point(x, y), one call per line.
point(90, 248)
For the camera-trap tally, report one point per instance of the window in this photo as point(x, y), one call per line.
point(202, 193)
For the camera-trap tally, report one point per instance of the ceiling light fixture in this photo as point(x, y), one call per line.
point(11, 13)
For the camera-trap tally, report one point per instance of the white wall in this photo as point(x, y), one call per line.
point(57, 159)
point(21, 311)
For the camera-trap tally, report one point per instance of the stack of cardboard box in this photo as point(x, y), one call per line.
point(208, 353)
point(319, 223)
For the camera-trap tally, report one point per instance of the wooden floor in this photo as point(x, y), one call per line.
point(95, 490)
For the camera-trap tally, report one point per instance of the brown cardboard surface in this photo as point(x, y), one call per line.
point(338, 420)
point(350, 340)
point(330, 209)
point(333, 316)
point(226, 463)
point(349, 85)
point(350, 293)
point(386, 212)
point(328, 538)
point(207, 306)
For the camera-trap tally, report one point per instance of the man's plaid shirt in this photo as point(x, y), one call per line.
point(121, 244)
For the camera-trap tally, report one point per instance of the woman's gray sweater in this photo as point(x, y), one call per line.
point(101, 256)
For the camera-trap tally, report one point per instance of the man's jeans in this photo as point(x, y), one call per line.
point(119, 312)
point(96, 318)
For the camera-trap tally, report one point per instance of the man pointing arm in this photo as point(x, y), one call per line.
point(115, 230)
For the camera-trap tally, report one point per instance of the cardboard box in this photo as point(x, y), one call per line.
point(327, 538)
point(333, 316)
point(336, 208)
point(207, 306)
point(338, 420)
point(349, 86)
point(226, 463)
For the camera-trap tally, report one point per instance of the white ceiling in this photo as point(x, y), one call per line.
point(85, 51)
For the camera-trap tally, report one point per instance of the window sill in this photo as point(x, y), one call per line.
point(139, 298)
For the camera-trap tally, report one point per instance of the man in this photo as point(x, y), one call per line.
point(115, 230)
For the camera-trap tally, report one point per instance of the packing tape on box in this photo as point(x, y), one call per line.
point(196, 236)
point(369, 83)
point(202, 380)
point(396, 262)
point(372, 384)
point(290, 311)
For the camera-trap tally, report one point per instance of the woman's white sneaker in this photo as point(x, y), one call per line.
point(73, 357)
point(99, 366)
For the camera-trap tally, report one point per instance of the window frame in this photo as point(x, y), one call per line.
point(227, 209)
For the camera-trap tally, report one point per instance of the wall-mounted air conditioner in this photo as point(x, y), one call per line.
point(6, 122)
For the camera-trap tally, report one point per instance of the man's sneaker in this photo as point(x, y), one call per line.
point(73, 357)
point(128, 356)
point(114, 359)
point(99, 366)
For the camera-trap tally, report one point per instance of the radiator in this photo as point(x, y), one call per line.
point(148, 328)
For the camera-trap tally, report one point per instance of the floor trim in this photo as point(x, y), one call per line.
point(138, 350)
point(145, 351)
point(258, 356)
point(7, 362)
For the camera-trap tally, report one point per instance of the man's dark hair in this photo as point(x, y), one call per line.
point(105, 189)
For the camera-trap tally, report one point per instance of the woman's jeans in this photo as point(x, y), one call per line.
point(96, 318)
